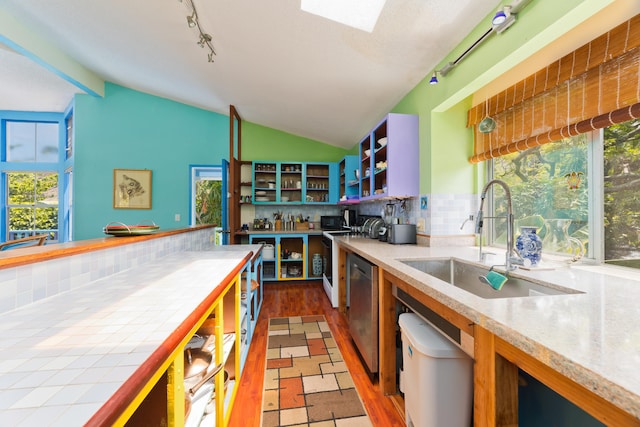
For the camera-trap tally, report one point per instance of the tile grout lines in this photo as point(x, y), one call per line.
point(306, 379)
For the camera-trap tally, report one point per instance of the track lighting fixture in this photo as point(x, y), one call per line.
point(499, 18)
point(193, 22)
point(502, 20)
point(204, 39)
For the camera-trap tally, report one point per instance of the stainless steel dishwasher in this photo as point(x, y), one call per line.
point(363, 308)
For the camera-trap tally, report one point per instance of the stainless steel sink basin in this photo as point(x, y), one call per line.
point(467, 277)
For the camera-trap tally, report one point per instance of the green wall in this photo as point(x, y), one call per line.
point(263, 143)
point(445, 142)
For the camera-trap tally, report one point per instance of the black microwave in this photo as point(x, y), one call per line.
point(331, 222)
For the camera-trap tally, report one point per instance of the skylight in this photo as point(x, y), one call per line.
point(360, 14)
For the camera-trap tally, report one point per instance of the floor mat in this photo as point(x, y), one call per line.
point(306, 380)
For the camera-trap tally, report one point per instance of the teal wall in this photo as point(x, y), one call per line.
point(263, 143)
point(128, 129)
point(445, 142)
point(131, 130)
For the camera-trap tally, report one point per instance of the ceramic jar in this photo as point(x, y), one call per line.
point(529, 244)
point(317, 264)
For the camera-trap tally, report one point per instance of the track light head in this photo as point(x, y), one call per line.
point(191, 21)
point(499, 18)
point(434, 79)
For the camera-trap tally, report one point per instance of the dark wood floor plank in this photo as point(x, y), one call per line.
point(297, 299)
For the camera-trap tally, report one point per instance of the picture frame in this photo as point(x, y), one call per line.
point(132, 188)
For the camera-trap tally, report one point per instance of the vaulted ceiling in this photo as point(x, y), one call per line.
point(280, 66)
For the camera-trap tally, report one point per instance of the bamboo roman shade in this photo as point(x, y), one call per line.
point(593, 87)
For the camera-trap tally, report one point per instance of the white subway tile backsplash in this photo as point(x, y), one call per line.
point(445, 213)
point(24, 285)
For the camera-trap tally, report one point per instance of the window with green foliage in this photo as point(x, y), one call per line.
point(32, 204)
point(622, 194)
point(549, 190)
point(208, 201)
point(552, 190)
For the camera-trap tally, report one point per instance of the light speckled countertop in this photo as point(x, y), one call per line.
point(63, 357)
point(592, 338)
point(312, 231)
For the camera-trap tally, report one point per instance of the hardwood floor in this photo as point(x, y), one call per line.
point(295, 299)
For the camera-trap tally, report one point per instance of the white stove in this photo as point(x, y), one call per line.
point(330, 275)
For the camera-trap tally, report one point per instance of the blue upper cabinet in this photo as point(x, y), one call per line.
point(349, 180)
point(291, 182)
point(389, 163)
point(265, 182)
point(295, 183)
point(321, 183)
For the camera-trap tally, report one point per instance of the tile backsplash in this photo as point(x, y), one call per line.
point(442, 214)
point(29, 283)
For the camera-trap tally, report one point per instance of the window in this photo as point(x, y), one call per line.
point(69, 136)
point(622, 194)
point(553, 186)
point(32, 142)
point(208, 201)
point(31, 167)
point(32, 206)
point(549, 191)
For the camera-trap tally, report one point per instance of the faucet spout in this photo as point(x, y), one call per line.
point(509, 256)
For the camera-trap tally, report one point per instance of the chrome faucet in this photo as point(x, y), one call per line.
point(510, 259)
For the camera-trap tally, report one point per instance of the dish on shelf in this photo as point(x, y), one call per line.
point(381, 143)
point(261, 193)
point(284, 199)
point(262, 199)
point(120, 229)
point(367, 152)
point(381, 165)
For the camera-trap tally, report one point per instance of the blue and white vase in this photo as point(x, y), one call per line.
point(529, 244)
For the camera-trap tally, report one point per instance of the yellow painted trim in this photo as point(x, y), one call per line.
point(175, 365)
point(176, 392)
point(219, 355)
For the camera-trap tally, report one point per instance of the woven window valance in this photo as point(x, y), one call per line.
point(593, 87)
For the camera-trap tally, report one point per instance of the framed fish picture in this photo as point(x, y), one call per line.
point(131, 189)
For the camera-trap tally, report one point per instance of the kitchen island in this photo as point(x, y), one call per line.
point(93, 353)
point(582, 345)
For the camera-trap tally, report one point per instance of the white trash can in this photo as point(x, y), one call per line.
point(437, 377)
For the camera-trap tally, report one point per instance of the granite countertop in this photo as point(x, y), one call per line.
point(63, 357)
point(590, 337)
point(314, 231)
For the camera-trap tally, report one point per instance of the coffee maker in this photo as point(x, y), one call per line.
point(350, 216)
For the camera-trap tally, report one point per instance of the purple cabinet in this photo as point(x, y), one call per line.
point(389, 162)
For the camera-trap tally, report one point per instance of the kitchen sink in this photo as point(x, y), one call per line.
point(467, 277)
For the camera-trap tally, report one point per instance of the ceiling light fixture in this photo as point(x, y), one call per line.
point(502, 20)
point(500, 16)
point(193, 22)
point(434, 79)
